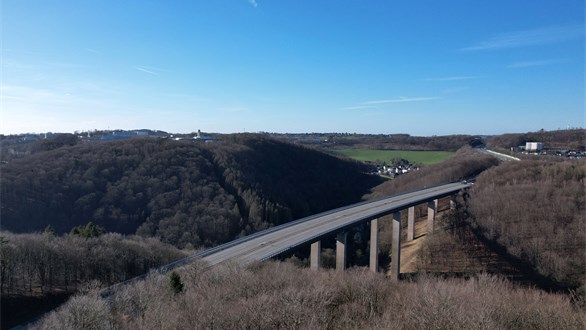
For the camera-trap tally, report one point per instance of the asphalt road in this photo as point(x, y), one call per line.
point(274, 241)
point(502, 157)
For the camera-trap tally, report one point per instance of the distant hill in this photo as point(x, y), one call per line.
point(574, 139)
point(378, 141)
point(185, 193)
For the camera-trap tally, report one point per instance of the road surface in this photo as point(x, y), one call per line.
point(274, 241)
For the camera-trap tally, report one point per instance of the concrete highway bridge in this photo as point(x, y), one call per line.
point(285, 238)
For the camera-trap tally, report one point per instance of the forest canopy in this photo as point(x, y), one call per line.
point(186, 193)
point(535, 209)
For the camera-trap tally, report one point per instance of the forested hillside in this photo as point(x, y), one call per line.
point(43, 262)
point(18, 146)
point(401, 142)
point(39, 270)
point(183, 192)
point(562, 139)
point(380, 141)
point(535, 209)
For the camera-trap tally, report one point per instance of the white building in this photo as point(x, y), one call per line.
point(533, 146)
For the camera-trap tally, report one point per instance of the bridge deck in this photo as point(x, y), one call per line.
point(277, 240)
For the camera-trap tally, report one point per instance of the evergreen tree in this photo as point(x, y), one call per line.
point(49, 230)
point(175, 283)
point(88, 231)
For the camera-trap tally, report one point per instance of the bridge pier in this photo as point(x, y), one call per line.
point(396, 247)
point(431, 210)
point(374, 245)
point(410, 223)
point(341, 251)
point(315, 257)
point(453, 204)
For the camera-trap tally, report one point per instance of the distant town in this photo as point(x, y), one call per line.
point(113, 135)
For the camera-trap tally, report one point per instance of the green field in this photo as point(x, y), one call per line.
point(420, 157)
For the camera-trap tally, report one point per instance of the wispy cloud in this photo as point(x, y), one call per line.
point(253, 3)
point(401, 100)
point(455, 78)
point(536, 37)
point(526, 64)
point(373, 104)
point(146, 69)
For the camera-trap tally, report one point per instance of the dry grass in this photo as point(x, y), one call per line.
point(279, 295)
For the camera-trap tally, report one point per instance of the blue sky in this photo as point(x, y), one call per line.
point(418, 67)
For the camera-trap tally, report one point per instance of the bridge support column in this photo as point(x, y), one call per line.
point(431, 209)
point(341, 251)
point(374, 245)
point(453, 202)
point(396, 247)
point(410, 223)
point(315, 258)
